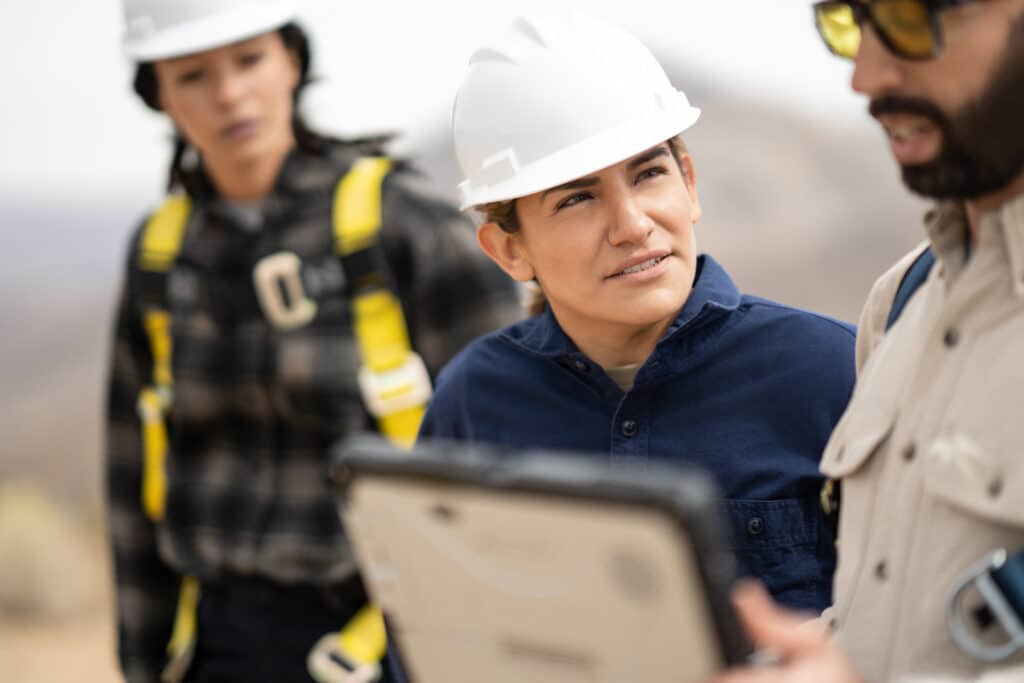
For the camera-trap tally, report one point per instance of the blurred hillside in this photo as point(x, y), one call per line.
point(799, 210)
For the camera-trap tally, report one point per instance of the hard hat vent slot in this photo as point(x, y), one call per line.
point(500, 166)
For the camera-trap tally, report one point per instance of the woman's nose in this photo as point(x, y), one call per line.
point(631, 223)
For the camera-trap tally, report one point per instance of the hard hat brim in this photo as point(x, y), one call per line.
point(587, 156)
point(210, 32)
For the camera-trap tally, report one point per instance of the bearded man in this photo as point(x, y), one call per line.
point(929, 456)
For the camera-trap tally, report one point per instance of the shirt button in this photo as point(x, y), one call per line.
point(951, 338)
point(909, 452)
point(580, 365)
point(995, 488)
point(881, 571)
point(629, 428)
point(755, 527)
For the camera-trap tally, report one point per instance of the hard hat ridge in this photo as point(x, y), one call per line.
point(526, 34)
point(554, 98)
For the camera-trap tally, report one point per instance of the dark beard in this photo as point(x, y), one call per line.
point(983, 143)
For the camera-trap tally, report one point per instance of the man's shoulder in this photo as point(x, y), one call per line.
point(875, 313)
point(883, 291)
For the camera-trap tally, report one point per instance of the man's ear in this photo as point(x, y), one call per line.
point(690, 178)
point(505, 249)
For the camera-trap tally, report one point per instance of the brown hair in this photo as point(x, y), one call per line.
point(505, 215)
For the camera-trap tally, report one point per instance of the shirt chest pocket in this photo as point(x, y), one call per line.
point(784, 544)
point(979, 476)
point(976, 460)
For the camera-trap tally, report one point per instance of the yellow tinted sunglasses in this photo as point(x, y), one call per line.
point(910, 29)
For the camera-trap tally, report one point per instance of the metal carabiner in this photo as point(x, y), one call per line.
point(980, 576)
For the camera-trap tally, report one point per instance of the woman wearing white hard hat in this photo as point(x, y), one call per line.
point(241, 355)
point(567, 131)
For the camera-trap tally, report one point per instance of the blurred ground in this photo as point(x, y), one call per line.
point(55, 621)
point(797, 210)
point(57, 274)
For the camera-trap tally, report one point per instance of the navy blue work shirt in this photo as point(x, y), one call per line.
point(745, 387)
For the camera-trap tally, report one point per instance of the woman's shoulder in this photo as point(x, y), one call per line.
point(810, 324)
point(495, 353)
point(806, 348)
point(472, 390)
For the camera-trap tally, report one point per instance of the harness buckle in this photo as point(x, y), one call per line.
point(980, 577)
point(329, 663)
point(400, 388)
point(153, 403)
point(277, 275)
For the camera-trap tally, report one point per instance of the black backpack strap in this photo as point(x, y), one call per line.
point(912, 280)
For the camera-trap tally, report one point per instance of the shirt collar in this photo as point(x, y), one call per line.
point(946, 225)
point(713, 290)
point(1001, 228)
point(1010, 222)
point(301, 173)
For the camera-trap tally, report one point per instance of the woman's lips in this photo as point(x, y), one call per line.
point(242, 130)
point(644, 270)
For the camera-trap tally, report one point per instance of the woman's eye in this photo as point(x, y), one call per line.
point(251, 58)
point(651, 172)
point(191, 76)
point(572, 200)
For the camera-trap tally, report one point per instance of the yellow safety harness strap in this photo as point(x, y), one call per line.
point(158, 249)
point(154, 454)
point(364, 638)
point(393, 379)
point(184, 632)
point(161, 238)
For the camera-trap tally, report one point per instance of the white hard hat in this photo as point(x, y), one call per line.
point(555, 98)
point(160, 29)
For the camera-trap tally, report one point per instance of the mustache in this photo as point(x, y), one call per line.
point(899, 104)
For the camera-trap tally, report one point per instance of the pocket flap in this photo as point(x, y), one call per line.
point(853, 445)
point(976, 478)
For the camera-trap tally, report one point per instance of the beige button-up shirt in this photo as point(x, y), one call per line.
point(931, 449)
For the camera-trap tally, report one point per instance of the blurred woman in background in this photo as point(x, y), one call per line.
point(241, 353)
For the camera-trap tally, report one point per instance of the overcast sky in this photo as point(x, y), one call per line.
point(70, 126)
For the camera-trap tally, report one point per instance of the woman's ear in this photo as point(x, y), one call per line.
point(505, 249)
point(690, 178)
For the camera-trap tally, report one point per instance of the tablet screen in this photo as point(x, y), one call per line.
point(512, 586)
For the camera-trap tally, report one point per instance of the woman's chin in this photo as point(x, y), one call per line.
point(657, 304)
point(648, 313)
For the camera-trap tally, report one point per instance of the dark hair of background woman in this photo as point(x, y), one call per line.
point(294, 38)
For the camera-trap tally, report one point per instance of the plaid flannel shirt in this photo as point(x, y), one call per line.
point(256, 409)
